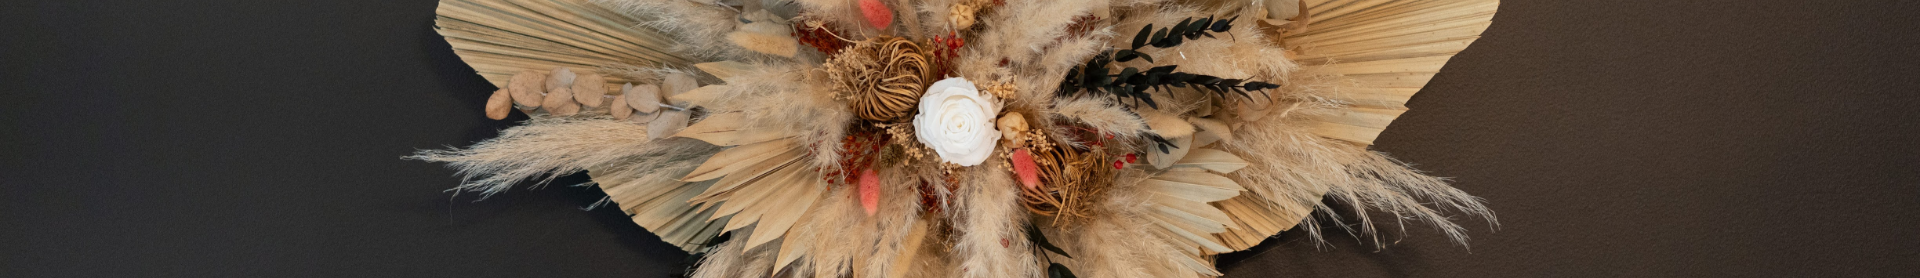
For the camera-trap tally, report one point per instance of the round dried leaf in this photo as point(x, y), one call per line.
point(677, 83)
point(588, 90)
point(499, 105)
point(643, 97)
point(620, 110)
point(557, 99)
point(668, 123)
point(560, 78)
point(527, 88)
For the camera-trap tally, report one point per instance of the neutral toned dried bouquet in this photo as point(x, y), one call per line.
point(964, 138)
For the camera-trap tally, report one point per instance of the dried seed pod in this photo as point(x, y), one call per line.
point(527, 88)
point(499, 105)
point(589, 89)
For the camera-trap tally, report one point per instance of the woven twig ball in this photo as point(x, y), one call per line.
point(881, 79)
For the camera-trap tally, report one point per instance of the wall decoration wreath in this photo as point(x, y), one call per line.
point(964, 138)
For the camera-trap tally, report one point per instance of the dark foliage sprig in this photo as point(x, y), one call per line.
point(1054, 270)
point(1187, 29)
point(1132, 83)
point(1096, 78)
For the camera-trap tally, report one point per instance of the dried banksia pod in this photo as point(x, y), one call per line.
point(881, 79)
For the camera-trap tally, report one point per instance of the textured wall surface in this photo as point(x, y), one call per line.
point(1614, 138)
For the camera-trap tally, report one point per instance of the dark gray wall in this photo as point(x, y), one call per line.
point(1614, 138)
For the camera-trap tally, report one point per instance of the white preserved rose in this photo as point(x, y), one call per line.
point(957, 122)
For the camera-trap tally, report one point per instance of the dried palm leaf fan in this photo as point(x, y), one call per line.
point(1387, 50)
point(499, 38)
point(743, 129)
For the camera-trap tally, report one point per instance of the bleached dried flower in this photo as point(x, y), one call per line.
point(1012, 127)
point(957, 122)
point(962, 15)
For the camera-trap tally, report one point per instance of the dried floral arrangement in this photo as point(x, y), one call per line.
point(964, 138)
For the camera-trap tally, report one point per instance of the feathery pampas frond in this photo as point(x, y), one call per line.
point(1101, 114)
point(990, 224)
point(546, 148)
point(1300, 167)
point(699, 30)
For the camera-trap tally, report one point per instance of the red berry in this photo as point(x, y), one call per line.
point(1119, 164)
point(1132, 158)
